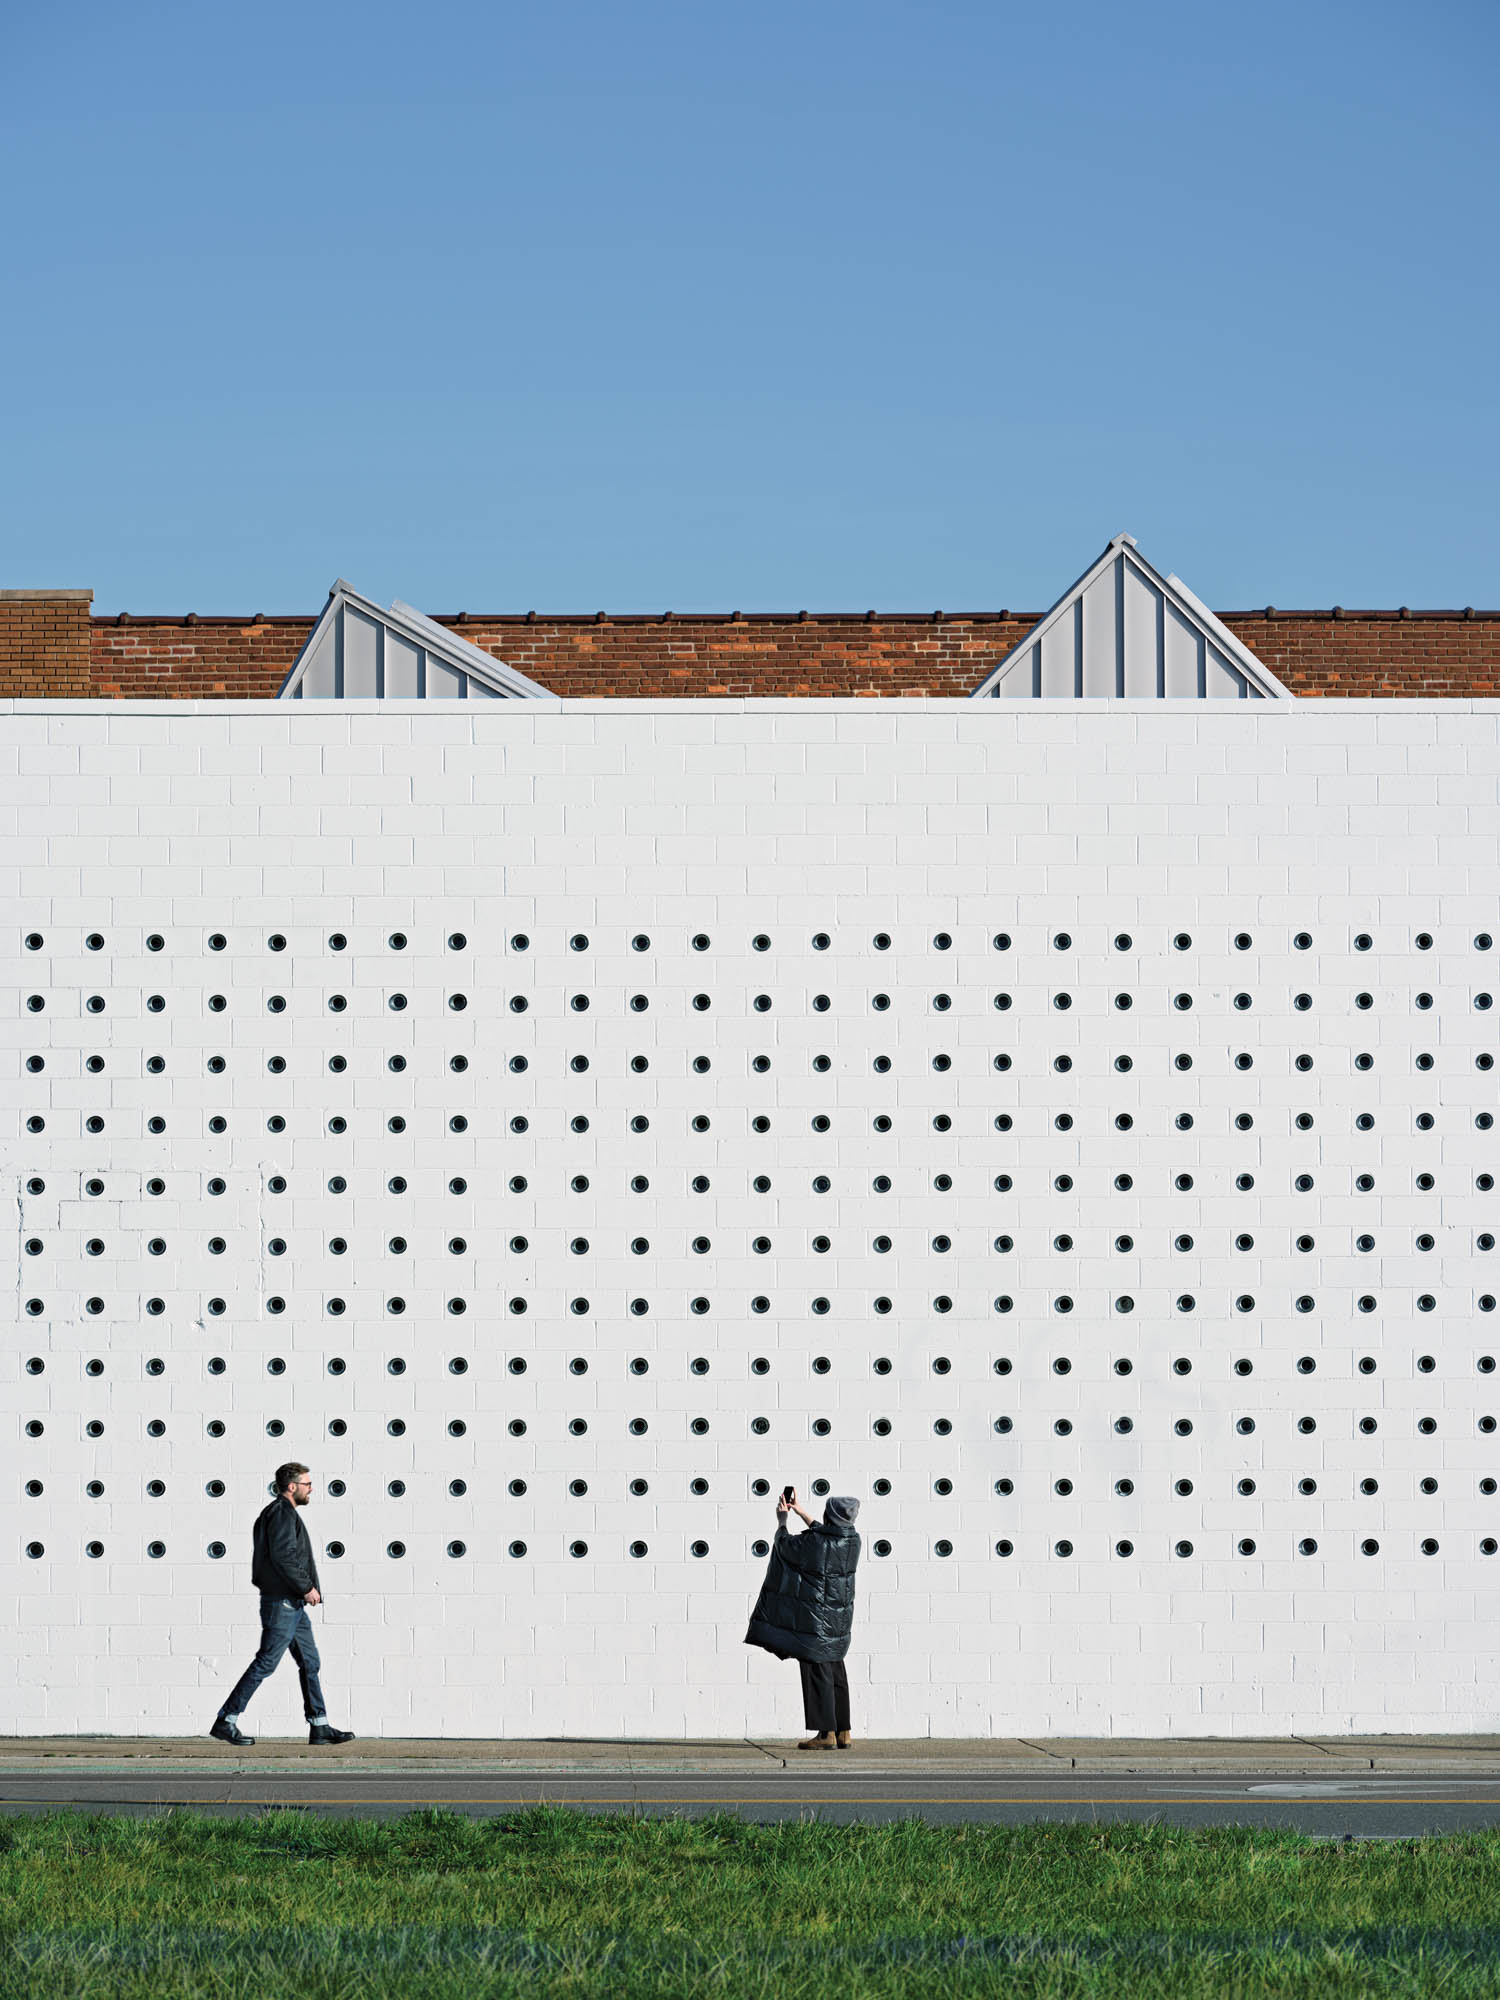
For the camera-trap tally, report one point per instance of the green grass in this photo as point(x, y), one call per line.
point(553, 1903)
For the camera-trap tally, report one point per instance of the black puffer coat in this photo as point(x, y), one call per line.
point(805, 1610)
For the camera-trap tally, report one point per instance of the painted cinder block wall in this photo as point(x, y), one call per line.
point(978, 1184)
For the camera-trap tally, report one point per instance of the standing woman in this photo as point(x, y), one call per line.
point(805, 1611)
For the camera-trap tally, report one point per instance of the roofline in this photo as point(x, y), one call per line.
point(1468, 614)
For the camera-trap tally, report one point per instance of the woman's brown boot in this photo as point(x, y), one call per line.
point(824, 1742)
point(843, 1739)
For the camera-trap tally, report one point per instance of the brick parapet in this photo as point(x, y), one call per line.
point(1377, 655)
point(50, 647)
point(45, 644)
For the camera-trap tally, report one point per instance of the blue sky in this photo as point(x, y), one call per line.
point(576, 306)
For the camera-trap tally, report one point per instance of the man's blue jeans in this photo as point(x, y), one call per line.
point(284, 1624)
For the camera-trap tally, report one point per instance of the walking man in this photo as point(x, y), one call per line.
point(805, 1611)
point(284, 1573)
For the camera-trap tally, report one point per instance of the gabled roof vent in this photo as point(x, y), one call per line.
point(1125, 632)
point(357, 652)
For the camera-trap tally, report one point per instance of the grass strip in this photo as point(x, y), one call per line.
point(549, 1902)
point(455, 1964)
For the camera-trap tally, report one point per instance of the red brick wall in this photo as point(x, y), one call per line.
point(761, 655)
point(581, 657)
point(193, 659)
point(48, 646)
point(1381, 654)
point(44, 644)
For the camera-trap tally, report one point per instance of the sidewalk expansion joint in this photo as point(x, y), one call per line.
point(1056, 1755)
point(774, 1755)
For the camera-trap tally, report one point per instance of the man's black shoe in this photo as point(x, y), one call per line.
point(321, 1733)
point(229, 1732)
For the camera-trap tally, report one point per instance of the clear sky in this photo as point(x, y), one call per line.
point(577, 306)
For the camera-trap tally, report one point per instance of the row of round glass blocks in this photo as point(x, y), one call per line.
point(640, 1246)
point(762, 1003)
point(1302, 940)
point(821, 1064)
point(1063, 1183)
point(1064, 1302)
point(1245, 1546)
point(820, 1427)
point(821, 1122)
point(820, 1364)
point(882, 1488)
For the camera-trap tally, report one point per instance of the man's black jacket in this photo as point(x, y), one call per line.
point(283, 1564)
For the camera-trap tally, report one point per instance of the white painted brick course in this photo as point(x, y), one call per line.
point(791, 819)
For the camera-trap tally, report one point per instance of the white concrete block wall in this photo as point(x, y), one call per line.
point(1032, 1580)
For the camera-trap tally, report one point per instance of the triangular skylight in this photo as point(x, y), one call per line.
point(357, 652)
point(1124, 632)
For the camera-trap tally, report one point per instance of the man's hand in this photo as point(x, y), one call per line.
point(313, 1597)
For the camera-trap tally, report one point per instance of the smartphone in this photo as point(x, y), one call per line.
point(786, 1494)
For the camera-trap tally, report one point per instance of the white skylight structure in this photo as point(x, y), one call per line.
point(357, 652)
point(1124, 632)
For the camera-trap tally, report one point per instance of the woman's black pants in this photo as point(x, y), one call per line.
point(825, 1695)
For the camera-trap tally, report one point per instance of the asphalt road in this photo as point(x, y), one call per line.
point(1366, 1805)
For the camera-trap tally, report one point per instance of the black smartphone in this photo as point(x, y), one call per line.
point(786, 1494)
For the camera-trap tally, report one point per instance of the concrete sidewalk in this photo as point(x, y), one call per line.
point(631, 1757)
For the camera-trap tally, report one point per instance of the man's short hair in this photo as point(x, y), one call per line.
point(285, 1474)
